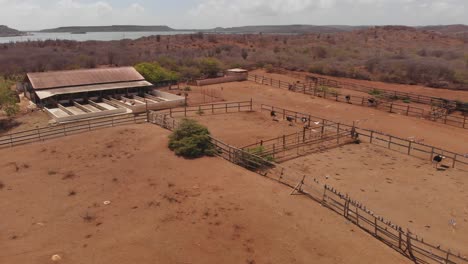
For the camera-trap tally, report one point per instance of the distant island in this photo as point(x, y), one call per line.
point(288, 29)
point(114, 28)
point(10, 32)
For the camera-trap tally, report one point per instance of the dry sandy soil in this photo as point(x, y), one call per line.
point(405, 190)
point(244, 128)
point(163, 209)
point(425, 131)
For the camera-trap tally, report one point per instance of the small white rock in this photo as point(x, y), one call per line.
point(56, 258)
point(106, 202)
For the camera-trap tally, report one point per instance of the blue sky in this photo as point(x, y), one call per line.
point(39, 14)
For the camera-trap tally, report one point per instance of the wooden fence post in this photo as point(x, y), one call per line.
point(454, 160)
point(185, 111)
point(251, 104)
point(391, 107)
point(371, 136)
point(389, 141)
point(376, 226)
point(284, 141)
point(284, 114)
point(170, 111)
point(39, 134)
point(11, 140)
point(226, 107)
point(212, 108)
point(409, 147)
point(338, 134)
point(357, 215)
point(407, 110)
point(432, 154)
point(238, 107)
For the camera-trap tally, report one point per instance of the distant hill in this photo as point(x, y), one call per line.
point(114, 28)
point(285, 29)
point(9, 32)
point(446, 29)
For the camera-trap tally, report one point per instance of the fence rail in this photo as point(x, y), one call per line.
point(411, 246)
point(418, 98)
point(50, 132)
point(385, 105)
point(405, 146)
point(215, 108)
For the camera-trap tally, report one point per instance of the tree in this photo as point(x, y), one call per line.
point(8, 98)
point(210, 66)
point(154, 73)
point(191, 140)
point(244, 54)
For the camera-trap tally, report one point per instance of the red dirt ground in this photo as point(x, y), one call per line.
point(405, 190)
point(244, 128)
point(417, 89)
point(426, 131)
point(163, 209)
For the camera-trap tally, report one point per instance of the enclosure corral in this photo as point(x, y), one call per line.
point(124, 197)
point(405, 189)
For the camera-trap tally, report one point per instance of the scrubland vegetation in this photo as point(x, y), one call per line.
point(390, 54)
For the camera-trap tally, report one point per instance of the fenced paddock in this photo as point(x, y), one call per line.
point(408, 147)
point(316, 89)
point(356, 213)
point(45, 133)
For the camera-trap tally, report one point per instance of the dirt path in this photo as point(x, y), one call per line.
point(163, 209)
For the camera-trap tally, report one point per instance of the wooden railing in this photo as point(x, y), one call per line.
point(385, 105)
point(405, 146)
point(50, 132)
point(394, 236)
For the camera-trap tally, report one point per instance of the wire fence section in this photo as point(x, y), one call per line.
point(396, 237)
point(50, 132)
point(385, 103)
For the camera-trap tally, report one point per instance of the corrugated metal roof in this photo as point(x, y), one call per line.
point(60, 79)
point(42, 94)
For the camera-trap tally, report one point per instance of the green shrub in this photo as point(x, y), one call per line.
point(8, 98)
point(260, 151)
point(406, 100)
point(187, 89)
point(191, 140)
point(154, 73)
point(375, 92)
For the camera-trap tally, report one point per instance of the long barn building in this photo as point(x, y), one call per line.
point(79, 94)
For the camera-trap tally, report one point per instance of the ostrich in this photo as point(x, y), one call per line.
point(273, 115)
point(371, 102)
point(290, 120)
point(348, 99)
point(437, 160)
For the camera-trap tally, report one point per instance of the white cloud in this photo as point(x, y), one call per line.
point(323, 12)
point(39, 14)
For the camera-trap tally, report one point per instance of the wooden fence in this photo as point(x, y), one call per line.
point(385, 105)
point(215, 108)
point(418, 98)
point(394, 236)
point(405, 146)
point(50, 132)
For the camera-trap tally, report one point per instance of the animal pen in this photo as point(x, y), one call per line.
point(400, 239)
point(440, 108)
